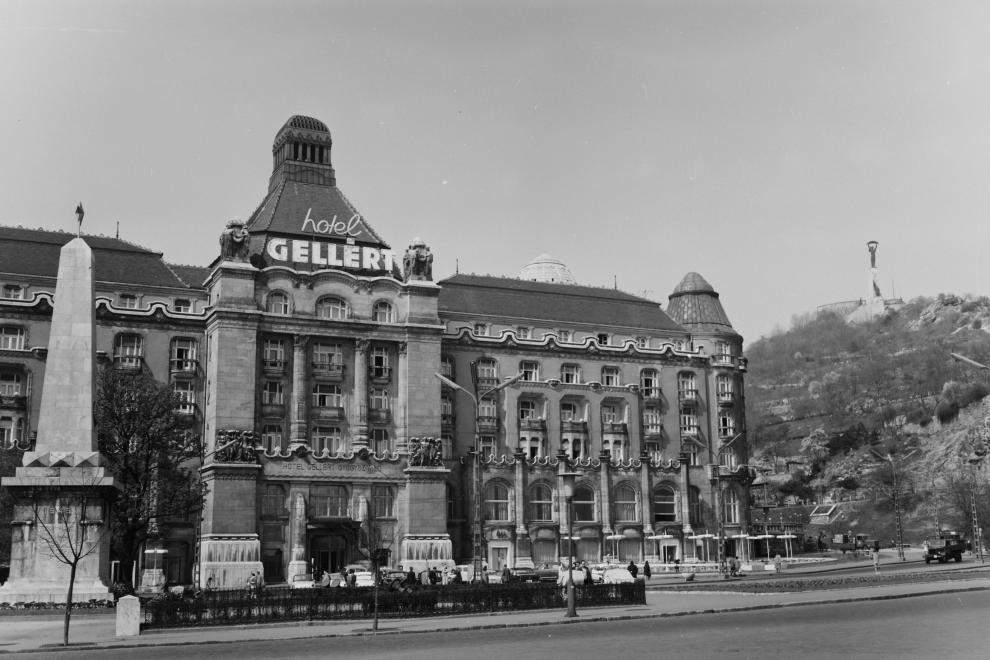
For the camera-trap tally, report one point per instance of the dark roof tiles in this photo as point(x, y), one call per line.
point(694, 304)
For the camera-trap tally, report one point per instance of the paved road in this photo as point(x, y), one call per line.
point(943, 626)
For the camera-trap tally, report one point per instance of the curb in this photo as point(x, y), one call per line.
point(501, 626)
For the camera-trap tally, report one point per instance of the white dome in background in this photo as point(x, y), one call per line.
point(545, 268)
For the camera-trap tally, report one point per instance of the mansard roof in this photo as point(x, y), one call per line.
point(505, 297)
point(694, 304)
point(35, 252)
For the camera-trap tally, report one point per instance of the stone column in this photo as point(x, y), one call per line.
point(685, 507)
point(297, 530)
point(400, 383)
point(646, 507)
point(563, 514)
point(524, 547)
point(606, 498)
point(359, 399)
point(297, 404)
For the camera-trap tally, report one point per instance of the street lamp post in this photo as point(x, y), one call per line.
point(895, 475)
point(476, 463)
point(720, 503)
point(976, 461)
point(568, 487)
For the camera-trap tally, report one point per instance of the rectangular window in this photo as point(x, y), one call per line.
point(381, 501)
point(486, 443)
point(610, 376)
point(271, 437)
point(564, 336)
point(379, 399)
point(487, 408)
point(272, 393)
point(481, 329)
point(610, 414)
point(328, 502)
point(10, 383)
point(328, 439)
point(652, 424)
point(186, 392)
point(380, 441)
point(274, 354)
point(11, 338)
point(327, 355)
point(530, 371)
point(568, 412)
point(522, 332)
point(272, 504)
point(650, 383)
point(689, 422)
point(527, 409)
point(603, 339)
point(327, 396)
point(128, 301)
point(128, 350)
point(12, 292)
point(488, 369)
point(723, 386)
point(570, 373)
point(379, 362)
point(642, 342)
point(726, 425)
point(182, 306)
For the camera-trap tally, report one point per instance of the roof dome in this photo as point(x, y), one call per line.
point(545, 268)
point(309, 123)
point(694, 304)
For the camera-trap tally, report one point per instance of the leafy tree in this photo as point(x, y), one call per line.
point(153, 453)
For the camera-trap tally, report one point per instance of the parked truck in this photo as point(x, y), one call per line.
point(945, 546)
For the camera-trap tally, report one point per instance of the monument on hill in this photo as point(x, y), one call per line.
point(63, 490)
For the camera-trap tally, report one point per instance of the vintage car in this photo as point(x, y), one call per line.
point(302, 581)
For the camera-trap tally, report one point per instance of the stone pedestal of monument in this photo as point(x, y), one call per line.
point(63, 491)
point(426, 543)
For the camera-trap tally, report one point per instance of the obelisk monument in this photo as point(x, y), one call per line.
point(63, 486)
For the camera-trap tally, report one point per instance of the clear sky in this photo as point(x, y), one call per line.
point(759, 143)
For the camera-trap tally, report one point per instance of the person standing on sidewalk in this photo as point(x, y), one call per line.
point(876, 558)
point(633, 569)
point(647, 571)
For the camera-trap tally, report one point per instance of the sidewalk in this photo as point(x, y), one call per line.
point(98, 632)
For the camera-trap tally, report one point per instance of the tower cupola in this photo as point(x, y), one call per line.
point(301, 152)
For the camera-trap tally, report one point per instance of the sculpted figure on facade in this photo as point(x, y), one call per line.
point(236, 446)
point(418, 262)
point(234, 244)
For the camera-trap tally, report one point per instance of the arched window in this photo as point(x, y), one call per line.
point(731, 507)
point(625, 503)
point(541, 503)
point(332, 308)
point(128, 351)
point(382, 312)
point(277, 303)
point(584, 504)
point(496, 501)
point(663, 504)
point(381, 501)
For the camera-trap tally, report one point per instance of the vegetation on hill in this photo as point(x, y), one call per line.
point(847, 409)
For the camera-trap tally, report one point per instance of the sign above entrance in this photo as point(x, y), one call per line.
point(329, 469)
point(330, 255)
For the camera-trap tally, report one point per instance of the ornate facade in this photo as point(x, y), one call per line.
point(349, 402)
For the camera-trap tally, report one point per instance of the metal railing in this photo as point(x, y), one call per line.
point(237, 607)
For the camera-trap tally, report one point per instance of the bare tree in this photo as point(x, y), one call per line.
point(379, 536)
point(72, 525)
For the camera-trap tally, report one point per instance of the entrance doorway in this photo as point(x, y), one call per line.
point(499, 558)
point(669, 553)
point(328, 552)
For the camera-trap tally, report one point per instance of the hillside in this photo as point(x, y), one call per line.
point(825, 397)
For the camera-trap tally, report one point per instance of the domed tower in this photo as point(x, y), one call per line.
point(545, 268)
point(301, 152)
point(694, 304)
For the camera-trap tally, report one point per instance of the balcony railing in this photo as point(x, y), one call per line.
point(532, 424)
point(128, 361)
point(327, 412)
point(723, 360)
point(273, 366)
point(690, 431)
point(13, 402)
point(379, 415)
point(183, 365)
point(487, 382)
point(650, 392)
point(487, 422)
point(687, 396)
point(726, 432)
point(446, 420)
point(614, 427)
point(328, 370)
point(653, 430)
point(380, 373)
point(574, 426)
point(726, 398)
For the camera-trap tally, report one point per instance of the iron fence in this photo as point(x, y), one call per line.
point(235, 607)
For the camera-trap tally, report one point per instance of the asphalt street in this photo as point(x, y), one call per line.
point(942, 625)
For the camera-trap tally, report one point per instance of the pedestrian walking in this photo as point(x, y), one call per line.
point(876, 560)
point(587, 574)
point(351, 578)
point(506, 574)
point(647, 571)
point(632, 568)
point(252, 585)
point(411, 577)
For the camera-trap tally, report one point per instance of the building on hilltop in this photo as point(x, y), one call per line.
point(870, 306)
point(308, 356)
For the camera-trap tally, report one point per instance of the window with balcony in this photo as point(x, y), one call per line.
point(530, 370)
point(615, 448)
point(382, 500)
point(327, 439)
point(128, 351)
point(687, 387)
point(688, 422)
point(722, 353)
point(654, 449)
point(573, 445)
point(277, 303)
point(569, 412)
point(11, 338)
point(332, 308)
point(379, 399)
point(487, 372)
point(689, 452)
point(271, 437)
point(327, 357)
point(570, 374)
point(272, 393)
point(496, 501)
point(127, 301)
point(11, 431)
point(446, 410)
point(383, 312)
point(541, 503)
point(273, 354)
point(664, 504)
point(649, 382)
point(182, 354)
point(527, 409)
point(625, 503)
point(182, 305)
point(12, 292)
point(564, 336)
point(731, 507)
point(446, 367)
point(481, 329)
point(610, 376)
point(584, 504)
point(487, 408)
point(380, 362)
point(652, 422)
point(610, 413)
point(381, 441)
point(328, 502)
point(728, 459)
point(185, 390)
point(726, 425)
point(486, 444)
point(327, 395)
point(522, 332)
point(533, 446)
point(10, 383)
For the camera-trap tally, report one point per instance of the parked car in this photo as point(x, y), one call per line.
point(523, 574)
point(562, 575)
point(547, 573)
point(302, 581)
point(616, 575)
point(392, 577)
point(364, 579)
